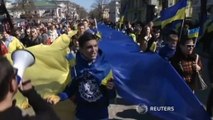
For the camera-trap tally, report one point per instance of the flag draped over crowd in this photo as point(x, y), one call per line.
point(145, 78)
point(140, 78)
point(51, 71)
point(176, 12)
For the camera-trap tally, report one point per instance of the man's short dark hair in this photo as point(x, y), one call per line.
point(80, 24)
point(6, 74)
point(87, 36)
point(86, 20)
point(172, 37)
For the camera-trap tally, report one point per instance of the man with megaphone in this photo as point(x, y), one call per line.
point(8, 89)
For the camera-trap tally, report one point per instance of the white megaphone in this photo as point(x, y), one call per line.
point(21, 60)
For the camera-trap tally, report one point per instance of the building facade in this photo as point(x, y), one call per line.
point(45, 8)
point(114, 10)
point(147, 10)
point(139, 10)
point(196, 8)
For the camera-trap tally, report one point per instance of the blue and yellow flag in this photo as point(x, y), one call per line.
point(148, 80)
point(193, 33)
point(176, 12)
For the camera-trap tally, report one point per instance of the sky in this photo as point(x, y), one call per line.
point(84, 3)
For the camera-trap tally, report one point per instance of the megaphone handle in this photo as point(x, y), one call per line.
point(19, 81)
point(18, 78)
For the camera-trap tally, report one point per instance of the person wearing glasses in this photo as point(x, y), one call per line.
point(8, 89)
point(186, 61)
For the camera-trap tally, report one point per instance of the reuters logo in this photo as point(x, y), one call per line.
point(142, 108)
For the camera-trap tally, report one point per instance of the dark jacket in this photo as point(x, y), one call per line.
point(183, 64)
point(166, 52)
point(92, 98)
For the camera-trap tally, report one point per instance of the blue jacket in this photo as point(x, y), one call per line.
point(166, 52)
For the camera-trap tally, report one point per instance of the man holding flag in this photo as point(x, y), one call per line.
point(91, 84)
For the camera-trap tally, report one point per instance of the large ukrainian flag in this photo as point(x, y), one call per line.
point(51, 72)
point(176, 12)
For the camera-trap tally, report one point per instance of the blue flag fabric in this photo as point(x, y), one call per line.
point(175, 12)
point(145, 78)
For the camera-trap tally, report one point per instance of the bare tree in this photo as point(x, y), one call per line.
point(25, 5)
point(97, 8)
point(81, 11)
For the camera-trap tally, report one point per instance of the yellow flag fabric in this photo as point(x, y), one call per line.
point(51, 72)
point(14, 45)
point(71, 33)
point(121, 22)
point(179, 16)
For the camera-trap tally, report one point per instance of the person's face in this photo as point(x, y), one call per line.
point(188, 47)
point(5, 35)
point(28, 31)
point(90, 49)
point(157, 34)
point(172, 44)
point(86, 25)
point(34, 33)
point(75, 42)
point(148, 30)
point(81, 29)
point(18, 34)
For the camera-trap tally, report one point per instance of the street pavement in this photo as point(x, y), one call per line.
point(119, 110)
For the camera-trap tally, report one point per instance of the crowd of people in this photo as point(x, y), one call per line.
point(90, 94)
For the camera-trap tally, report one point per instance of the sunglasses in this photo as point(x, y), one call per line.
point(190, 46)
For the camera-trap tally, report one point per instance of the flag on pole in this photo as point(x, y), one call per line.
point(193, 33)
point(176, 12)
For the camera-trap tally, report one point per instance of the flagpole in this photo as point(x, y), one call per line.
point(181, 29)
point(96, 24)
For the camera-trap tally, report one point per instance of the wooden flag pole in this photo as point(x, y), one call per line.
point(181, 29)
point(182, 25)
